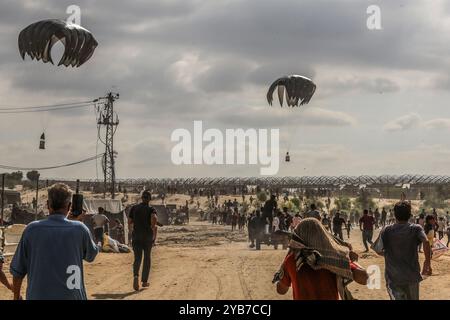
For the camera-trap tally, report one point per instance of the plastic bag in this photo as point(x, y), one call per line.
point(378, 245)
point(438, 249)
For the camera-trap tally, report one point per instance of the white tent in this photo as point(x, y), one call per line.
point(113, 206)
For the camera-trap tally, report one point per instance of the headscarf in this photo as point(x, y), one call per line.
point(312, 244)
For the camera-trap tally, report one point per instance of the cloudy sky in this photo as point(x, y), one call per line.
point(381, 105)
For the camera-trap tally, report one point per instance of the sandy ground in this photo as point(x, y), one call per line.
point(201, 261)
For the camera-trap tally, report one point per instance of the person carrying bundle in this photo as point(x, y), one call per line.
point(318, 266)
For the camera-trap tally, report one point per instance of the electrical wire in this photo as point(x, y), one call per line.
point(44, 110)
point(9, 108)
point(52, 167)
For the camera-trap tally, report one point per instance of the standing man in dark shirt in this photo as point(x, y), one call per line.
point(399, 244)
point(142, 220)
point(366, 225)
point(268, 209)
point(337, 225)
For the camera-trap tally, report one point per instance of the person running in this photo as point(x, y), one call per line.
point(99, 222)
point(429, 228)
point(317, 279)
point(391, 217)
point(3, 279)
point(214, 216)
point(142, 220)
point(441, 228)
point(252, 226)
point(287, 218)
point(349, 228)
point(377, 217)
point(313, 213)
point(383, 217)
point(51, 253)
point(326, 222)
point(234, 221)
point(421, 222)
point(259, 225)
point(269, 208)
point(338, 222)
point(448, 235)
point(242, 220)
point(235, 204)
point(399, 244)
point(366, 225)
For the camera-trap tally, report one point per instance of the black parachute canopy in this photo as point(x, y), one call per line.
point(38, 38)
point(297, 89)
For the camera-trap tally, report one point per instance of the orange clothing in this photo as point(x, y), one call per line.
point(309, 284)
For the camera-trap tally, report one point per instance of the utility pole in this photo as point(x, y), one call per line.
point(3, 198)
point(37, 197)
point(108, 119)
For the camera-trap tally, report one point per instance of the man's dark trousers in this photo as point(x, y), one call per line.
point(142, 248)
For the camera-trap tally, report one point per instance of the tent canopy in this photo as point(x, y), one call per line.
point(110, 205)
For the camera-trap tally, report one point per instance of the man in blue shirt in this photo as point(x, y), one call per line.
point(51, 253)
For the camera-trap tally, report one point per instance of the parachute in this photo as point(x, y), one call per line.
point(38, 38)
point(297, 89)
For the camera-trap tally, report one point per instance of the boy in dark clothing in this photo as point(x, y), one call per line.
point(349, 227)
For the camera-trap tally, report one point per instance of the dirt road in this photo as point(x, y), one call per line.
point(200, 261)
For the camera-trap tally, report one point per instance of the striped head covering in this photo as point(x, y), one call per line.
point(313, 245)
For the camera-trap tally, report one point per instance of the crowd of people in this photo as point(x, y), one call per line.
point(401, 239)
point(319, 263)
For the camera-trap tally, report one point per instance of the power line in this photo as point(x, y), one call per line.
point(52, 167)
point(7, 108)
point(44, 110)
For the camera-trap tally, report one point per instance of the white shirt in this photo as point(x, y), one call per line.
point(276, 223)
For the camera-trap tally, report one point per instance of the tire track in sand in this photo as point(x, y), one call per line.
point(244, 287)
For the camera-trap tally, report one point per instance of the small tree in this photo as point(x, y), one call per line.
point(33, 176)
point(296, 202)
point(343, 203)
point(434, 202)
point(364, 200)
point(319, 204)
point(261, 196)
point(13, 178)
